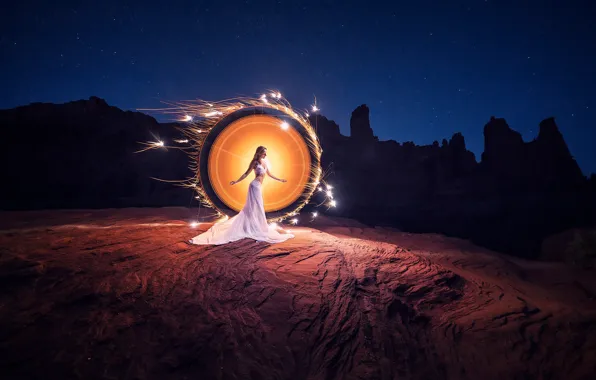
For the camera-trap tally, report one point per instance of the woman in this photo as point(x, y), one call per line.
point(250, 221)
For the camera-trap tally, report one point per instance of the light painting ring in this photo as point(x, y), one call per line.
point(204, 153)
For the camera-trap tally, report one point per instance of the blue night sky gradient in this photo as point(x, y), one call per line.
point(425, 68)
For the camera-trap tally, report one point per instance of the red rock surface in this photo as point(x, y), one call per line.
point(117, 294)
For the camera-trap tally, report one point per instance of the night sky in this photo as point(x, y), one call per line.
point(426, 68)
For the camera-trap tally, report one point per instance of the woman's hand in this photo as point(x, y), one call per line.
point(233, 183)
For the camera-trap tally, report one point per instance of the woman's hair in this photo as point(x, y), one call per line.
point(258, 153)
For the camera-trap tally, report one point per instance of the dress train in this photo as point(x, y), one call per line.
point(250, 223)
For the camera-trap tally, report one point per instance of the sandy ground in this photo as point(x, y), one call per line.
point(117, 294)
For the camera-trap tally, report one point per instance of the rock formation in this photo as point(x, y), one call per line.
point(518, 194)
point(544, 165)
point(81, 155)
point(555, 167)
point(360, 125)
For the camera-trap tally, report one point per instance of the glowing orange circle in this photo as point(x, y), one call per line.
point(233, 149)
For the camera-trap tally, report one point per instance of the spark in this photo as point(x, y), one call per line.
point(320, 189)
point(294, 221)
point(329, 187)
point(333, 203)
point(213, 113)
point(194, 224)
point(315, 108)
point(152, 145)
point(184, 141)
point(285, 125)
point(314, 214)
point(187, 118)
point(329, 194)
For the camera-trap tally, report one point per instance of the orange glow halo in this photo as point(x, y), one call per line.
point(234, 148)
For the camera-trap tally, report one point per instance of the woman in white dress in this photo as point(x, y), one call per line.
point(250, 222)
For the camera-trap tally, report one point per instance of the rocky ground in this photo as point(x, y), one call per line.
point(117, 294)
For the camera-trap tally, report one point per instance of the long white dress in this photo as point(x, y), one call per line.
point(250, 222)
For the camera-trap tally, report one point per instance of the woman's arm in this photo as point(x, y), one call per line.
point(274, 177)
point(243, 175)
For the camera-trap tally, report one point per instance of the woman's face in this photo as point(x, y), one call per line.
point(264, 153)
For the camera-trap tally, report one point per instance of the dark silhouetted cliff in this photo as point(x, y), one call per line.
point(519, 194)
point(81, 155)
